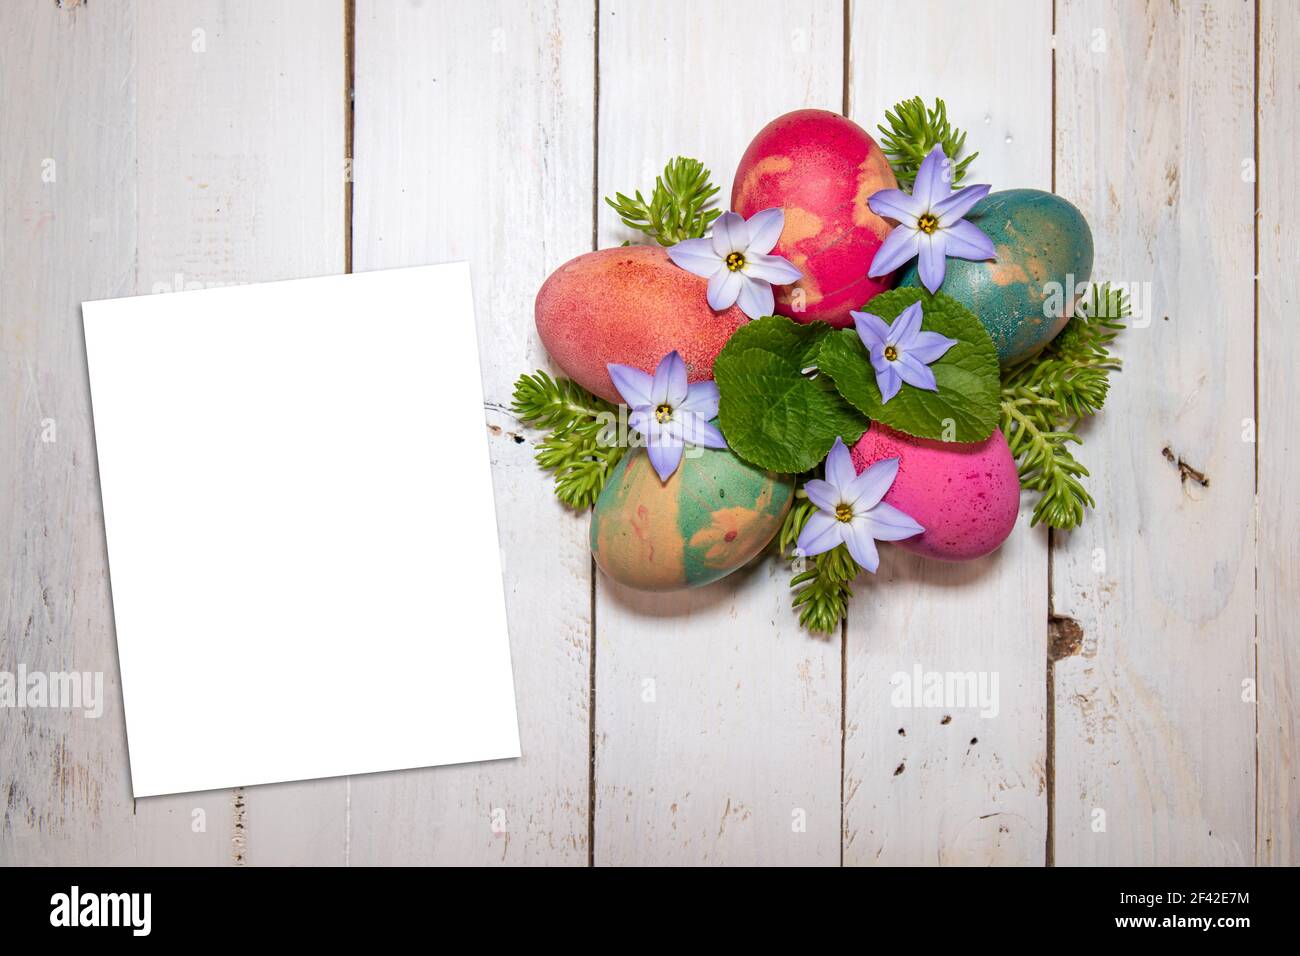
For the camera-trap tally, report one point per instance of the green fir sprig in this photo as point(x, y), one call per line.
point(822, 589)
point(578, 449)
point(678, 206)
point(913, 131)
point(1046, 396)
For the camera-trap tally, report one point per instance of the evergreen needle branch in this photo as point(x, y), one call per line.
point(1045, 397)
point(913, 131)
point(579, 450)
point(822, 589)
point(678, 205)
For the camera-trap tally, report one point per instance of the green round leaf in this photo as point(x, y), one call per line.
point(772, 414)
point(797, 342)
point(964, 409)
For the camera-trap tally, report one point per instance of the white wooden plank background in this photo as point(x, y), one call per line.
point(717, 721)
point(1278, 452)
point(949, 786)
point(478, 133)
point(230, 191)
point(474, 141)
point(1154, 123)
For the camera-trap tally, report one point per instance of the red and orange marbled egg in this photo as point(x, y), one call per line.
point(632, 306)
point(821, 169)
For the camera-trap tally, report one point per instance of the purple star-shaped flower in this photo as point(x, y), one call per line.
point(850, 510)
point(901, 352)
point(667, 411)
point(930, 223)
point(738, 263)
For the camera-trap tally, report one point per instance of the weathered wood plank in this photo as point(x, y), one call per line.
point(718, 720)
point(1153, 739)
point(69, 234)
point(153, 193)
point(1278, 351)
point(474, 141)
point(946, 785)
point(241, 179)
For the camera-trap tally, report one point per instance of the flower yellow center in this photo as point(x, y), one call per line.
point(663, 413)
point(927, 223)
point(891, 353)
point(735, 261)
point(843, 512)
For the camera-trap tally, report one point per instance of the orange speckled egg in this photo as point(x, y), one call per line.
point(966, 496)
point(631, 306)
point(820, 168)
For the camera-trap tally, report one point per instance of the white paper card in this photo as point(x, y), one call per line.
point(301, 535)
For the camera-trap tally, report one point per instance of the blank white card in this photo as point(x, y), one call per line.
point(302, 542)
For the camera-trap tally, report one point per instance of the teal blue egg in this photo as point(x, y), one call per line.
point(1044, 256)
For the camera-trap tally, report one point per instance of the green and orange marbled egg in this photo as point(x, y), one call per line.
point(1025, 296)
point(712, 516)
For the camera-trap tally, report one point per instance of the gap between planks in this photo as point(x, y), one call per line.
point(1254, 286)
point(595, 225)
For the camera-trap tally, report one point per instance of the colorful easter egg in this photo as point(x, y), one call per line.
point(713, 515)
point(1044, 253)
point(630, 306)
point(820, 168)
point(966, 496)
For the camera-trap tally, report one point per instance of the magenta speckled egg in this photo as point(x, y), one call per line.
point(965, 496)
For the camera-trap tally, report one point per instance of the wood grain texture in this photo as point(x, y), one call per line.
point(1154, 126)
point(67, 171)
point(474, 141)
point(717, 719)
point(245, 186)
point(1278, 355)
point(718, 722)
point(949, 786)
point(63, 778)
point(153, 193)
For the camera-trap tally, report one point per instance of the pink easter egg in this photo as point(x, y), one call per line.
point(821, 169)
point(966, 496)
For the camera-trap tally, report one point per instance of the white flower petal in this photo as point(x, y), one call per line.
point(730, 234)
point(822, 494)
point(756, 299)
point(724, 287)
point(773, 269)
point(764, 230)
point(697, 256)
point(861, 545)
point(887, 523)
point(820, 533)
point(839, 467)
point(866, 490)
